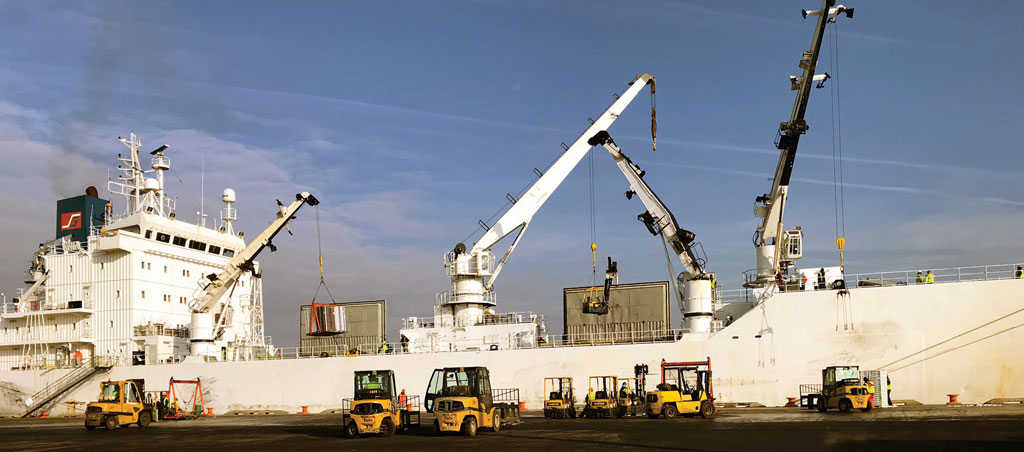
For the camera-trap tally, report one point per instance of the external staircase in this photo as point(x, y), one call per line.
point(48, 395)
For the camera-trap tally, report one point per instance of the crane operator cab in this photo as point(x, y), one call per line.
point(602, 400)
point(376, 409)
point(120, 404)
point(561, 400)
point(685, 389)
point(463, 401)
point(842, 388)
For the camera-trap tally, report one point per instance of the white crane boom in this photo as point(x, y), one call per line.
point(209, 311)
point(467, 270)
point(522, 211)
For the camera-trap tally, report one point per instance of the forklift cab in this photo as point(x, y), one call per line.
point(375, 384)
point(605, 402)
point(685, 389)
point(691, 381)
point(561, 399)
point(472, 382)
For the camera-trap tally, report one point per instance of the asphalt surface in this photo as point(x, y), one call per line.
point(740, 429)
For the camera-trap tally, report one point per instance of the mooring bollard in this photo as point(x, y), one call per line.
point(953, 399)
point(305, 409)
point(209, 411)
point(791, 401)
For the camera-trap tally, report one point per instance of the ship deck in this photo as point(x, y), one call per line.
point(903, 428)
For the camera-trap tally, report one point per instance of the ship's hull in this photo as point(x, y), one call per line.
point(957, 338)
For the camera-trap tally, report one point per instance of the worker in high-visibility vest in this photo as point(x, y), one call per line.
point(624, 392)
point(929, 278)
point(888, 390)
point(871, 392)
point(1020, 272)
point(591, 395)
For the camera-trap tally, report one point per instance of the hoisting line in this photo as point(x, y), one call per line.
point(839, 200)
point(593, 221)
point(323, 283)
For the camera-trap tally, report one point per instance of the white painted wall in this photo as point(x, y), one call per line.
point(801, 332)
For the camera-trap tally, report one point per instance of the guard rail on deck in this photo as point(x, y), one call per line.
point(887, 279)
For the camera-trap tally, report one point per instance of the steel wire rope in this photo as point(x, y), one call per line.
point(593, 220)
point(837, 133)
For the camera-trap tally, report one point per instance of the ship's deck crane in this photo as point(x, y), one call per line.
point(694, 284)
point(468, 269)
point(769, 207)
point(211, 311)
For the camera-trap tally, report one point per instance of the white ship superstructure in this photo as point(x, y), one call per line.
point(120, 283)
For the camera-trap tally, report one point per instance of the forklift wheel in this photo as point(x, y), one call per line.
point(845, 405)
point(110, 422)
point(352, 430)
point(670, 411)
point(145, 418)
point(90, 427)
point(707, 410)
point(822, 404)
point(469, 426)
point(572, 413)
point(437, 428)
point(652, 416)
point(387, 428)
point(496, 423)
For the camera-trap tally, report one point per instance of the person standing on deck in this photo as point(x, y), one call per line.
point(920, 277)
point(929, 278)
point(888, 390)
point(821, 279)
point(871, 392)
point(1020, 272)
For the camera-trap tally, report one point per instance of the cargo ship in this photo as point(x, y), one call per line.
point(117, 293)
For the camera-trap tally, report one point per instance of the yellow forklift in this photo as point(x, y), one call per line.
point(120, 404)
point(842, 388)
point(462, 400)
point(561, 400)
point(604, 403)
point(376, 409)
point(685, 389)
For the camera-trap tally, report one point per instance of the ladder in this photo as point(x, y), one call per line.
point(51, 392)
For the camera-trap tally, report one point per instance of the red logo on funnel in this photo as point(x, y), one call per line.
point(70, 220)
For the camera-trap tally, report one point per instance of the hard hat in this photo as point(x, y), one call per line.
point(591, 389)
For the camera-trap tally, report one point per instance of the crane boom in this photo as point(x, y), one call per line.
point(210, 311)
point(468, 270)
point(657, 218)
point(523, 210)
point(773, 250)
point(220, 284)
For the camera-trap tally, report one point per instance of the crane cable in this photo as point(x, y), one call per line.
point(320, 252)
point(593, 221)
point(839, 201)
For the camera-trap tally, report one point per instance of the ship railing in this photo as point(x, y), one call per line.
point(450, 297)
point(44, 306)
point(158, 329)
point(940, 275)
point(503, 318)
point(884, 279)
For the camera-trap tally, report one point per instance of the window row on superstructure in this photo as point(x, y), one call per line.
point(184, 242)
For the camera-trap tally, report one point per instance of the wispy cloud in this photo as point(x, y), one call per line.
point(887, 188)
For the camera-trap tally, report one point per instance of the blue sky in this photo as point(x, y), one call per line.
point(411, 120)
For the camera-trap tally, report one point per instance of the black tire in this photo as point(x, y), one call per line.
point(620, 412)
point(866, 408)
point(496, 421)
point(145, 418)
point(352, 430)
point(572, 413)
point(707, 410)
point(652, 416)
point(670, 411)
point(90, 427)
point(110, 422)
point(845, 405)
point(437, 428)
point(469, 426)
point(387, 428)
point(822, 404)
